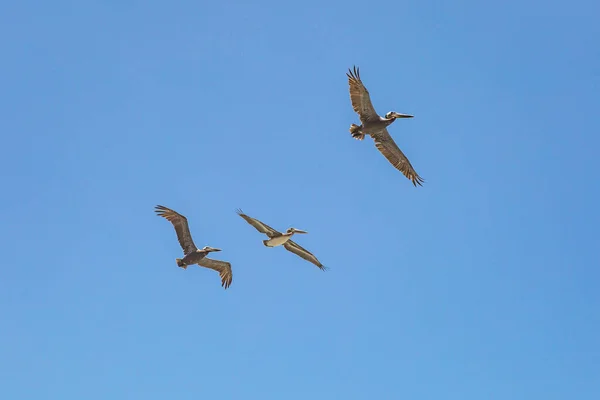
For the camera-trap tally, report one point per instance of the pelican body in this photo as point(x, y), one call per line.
point(192, 254)
point(194, 257)
point(276, 238)
point(374, 125)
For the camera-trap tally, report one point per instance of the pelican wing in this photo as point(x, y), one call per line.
point(260, 226)
point(295, 248)
point(181, 228)
point(222, 267)
point(386, 145)
point(359, 96)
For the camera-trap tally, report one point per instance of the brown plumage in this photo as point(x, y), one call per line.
point(222, 267)
point(193, 255)
point(386, 145)
point(360, 98)
point(180, 223)
point(376, 126)
point(298, 250)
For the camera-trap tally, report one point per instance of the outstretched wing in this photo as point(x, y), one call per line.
point(386, 145)
point(181, 228)
point(222, 267)
point(295, 248)
point(359, 96)
point(260, 226)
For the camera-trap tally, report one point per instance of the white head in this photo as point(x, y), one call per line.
point(394, 115)
point(208, 249)
point(294, 230)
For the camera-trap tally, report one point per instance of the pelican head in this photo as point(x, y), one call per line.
point(208, 249)
point(394, 115)
point(294, 230)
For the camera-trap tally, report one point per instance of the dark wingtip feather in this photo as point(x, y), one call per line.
point(160, 210)
point(354, 73)
point(418, 181)
point(226, 280)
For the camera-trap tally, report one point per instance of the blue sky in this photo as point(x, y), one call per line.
point(482, 284)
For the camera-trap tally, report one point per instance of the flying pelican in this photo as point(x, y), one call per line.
point(376, 127)
point(192, 254)
point(277, 239)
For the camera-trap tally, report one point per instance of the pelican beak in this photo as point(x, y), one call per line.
point(398, 115)
point(299, 231)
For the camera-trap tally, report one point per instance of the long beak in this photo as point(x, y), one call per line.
point(213, 249)
point(398, 115)
point(299, 231)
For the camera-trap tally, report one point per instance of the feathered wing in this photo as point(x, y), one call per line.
point(295, 248)
point(386, 145)
point(260, 226)
point(222, 267)
point(360, 98)
point(181, 228)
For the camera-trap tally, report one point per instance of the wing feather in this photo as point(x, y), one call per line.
point(222, 267)
point(360, 98)
point(386, 145)
point(295, 248)
point(260, 226)
point(182, 229)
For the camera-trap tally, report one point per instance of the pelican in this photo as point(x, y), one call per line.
point(191, 254)
point(277, 239)
point(376, 127)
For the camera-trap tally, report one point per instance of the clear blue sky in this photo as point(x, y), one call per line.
point(482, 284)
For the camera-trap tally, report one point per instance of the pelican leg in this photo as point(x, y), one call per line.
point(356, 132)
